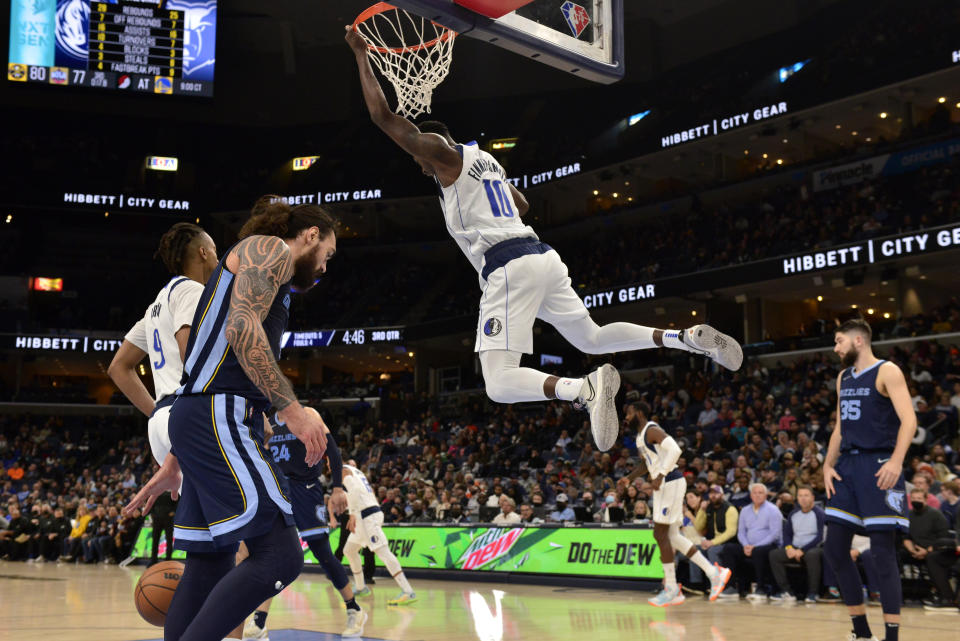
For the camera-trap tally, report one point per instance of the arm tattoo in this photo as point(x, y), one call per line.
point(265, 264)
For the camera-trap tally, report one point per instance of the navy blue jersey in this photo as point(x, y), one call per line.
point(290, 455)
point(211, 366)
point(868, 420)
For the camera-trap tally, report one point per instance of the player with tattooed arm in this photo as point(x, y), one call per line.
point(232, 491)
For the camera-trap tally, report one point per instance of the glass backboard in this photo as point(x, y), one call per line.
point(582, 37)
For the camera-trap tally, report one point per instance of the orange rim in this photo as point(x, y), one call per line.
point(382, 7)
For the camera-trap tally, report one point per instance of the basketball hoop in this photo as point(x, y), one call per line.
point(412, 52)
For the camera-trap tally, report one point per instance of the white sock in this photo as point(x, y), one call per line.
point(401, 580)
point(570, 389)
point(708, 568)
point(669, 576)
point(671, 339)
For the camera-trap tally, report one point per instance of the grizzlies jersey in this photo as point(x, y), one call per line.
point(360, 494)
point(290, 454)
point(868, 420)
point(211, 366)
point(155, 333)
point(478, 207)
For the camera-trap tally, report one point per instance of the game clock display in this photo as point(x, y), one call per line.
point(343, 337)
point(161, 47)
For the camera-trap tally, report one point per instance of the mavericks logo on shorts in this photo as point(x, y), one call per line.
point(373, 539)
point(895, 499)
point(492, 327)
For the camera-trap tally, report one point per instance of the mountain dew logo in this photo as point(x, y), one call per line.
point(490, 546)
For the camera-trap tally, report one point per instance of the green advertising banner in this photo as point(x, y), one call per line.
point(623, 552)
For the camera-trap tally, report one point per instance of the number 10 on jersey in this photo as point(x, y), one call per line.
point(500, 201)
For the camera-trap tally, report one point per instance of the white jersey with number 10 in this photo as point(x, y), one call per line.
point(478, 207)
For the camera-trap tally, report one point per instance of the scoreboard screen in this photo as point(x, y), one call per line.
point(162, 47)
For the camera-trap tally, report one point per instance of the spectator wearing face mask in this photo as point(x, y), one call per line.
point(527, 516)
point(609, 501)
point(928, 543)
point(562, 512)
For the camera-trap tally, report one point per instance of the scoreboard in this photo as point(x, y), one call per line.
point(344, 337)
point(161, 46)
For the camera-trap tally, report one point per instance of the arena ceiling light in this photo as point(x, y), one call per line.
point(162, 163)
point(302, 163)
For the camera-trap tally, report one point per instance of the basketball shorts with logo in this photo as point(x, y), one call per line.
point(368, 531)
point(858, 502)
point(231, 489)
point(526, 288)
point(668, 500)
point(309, 509)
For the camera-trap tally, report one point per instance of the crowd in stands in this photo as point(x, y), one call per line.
point(63, 481)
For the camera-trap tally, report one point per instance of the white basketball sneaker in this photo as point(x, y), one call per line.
point(253, 631)
point(598, 397)
point(355, 621)
point(721, 348)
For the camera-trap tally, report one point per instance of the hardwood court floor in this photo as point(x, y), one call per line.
point(95, 603)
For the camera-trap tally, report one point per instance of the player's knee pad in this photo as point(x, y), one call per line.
point(320, 547)
point(678, 541)
point(389, 560)
point(884, 550)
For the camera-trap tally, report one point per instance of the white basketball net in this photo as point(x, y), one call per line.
point(411, 52)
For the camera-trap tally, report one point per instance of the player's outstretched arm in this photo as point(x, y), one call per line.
point(430, 147)
point(891, 380)
point(519, 200)
point(123, 372)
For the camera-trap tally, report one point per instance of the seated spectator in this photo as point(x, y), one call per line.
point(641, 513)
point(759, 531)
point(708, 415)
point(716, 521)
point(740, 493)
point(923, 481)
point(53, 532)
point(14, 539)
point(950, 501)
point(929, 543)
point(562, 511)
point(507, 515)
point(802, 542)
point(72, 544)
point(455, 515)
point(611, 511)
point(527, 516)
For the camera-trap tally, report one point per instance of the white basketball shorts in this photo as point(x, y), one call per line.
point(159, 434)
point(668, 501)
point(368, 532)
point(525, 289)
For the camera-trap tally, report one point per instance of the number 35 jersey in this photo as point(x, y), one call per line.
point(478, 207)
point(868, 420)
point(172, 309)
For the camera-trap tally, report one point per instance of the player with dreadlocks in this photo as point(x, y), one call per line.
point(191, 256)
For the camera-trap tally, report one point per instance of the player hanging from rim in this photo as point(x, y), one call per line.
point(366, 531)
point(231, 492)
point(191, 256)
point(310, 513)
point(521, 278)
point(659, 455)
point(863, 473)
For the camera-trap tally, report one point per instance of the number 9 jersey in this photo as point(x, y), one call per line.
point(478, 207)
